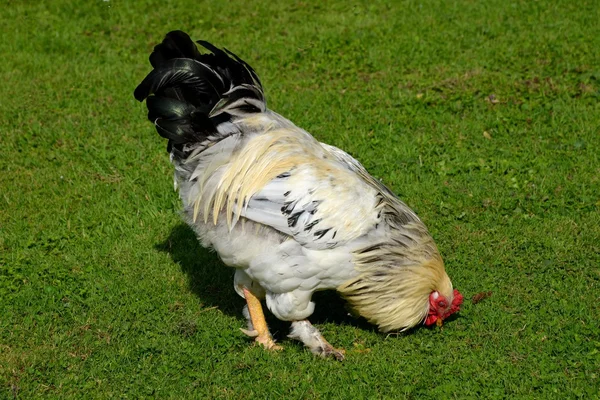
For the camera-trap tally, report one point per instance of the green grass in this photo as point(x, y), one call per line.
point(105, 293)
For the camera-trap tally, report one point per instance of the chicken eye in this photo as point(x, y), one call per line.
point(442, 304)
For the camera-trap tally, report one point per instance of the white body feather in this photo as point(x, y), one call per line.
point(286, 264)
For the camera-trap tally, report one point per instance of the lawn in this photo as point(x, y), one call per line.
point(484, 116)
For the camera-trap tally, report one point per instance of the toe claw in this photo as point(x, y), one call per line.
point(265, 341)
point(252, 333)
point(268, 343)
point(330, 351)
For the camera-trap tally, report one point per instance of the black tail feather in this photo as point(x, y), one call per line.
point(168, 108)
point(197, 83)
point(189, 94)
point(177, 44)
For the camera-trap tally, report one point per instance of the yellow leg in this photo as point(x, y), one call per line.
point(261, 331)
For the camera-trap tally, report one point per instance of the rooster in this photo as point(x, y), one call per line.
point(290, 214)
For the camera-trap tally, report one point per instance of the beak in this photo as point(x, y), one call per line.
point(439, 322)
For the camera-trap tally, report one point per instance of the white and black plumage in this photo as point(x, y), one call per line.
point(292, 215)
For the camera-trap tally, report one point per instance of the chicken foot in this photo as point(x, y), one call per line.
point(257, 325)
point(305, 332)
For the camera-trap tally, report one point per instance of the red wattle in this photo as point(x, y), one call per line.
point(430, 320)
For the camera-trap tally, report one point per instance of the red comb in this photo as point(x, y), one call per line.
point(456, 302)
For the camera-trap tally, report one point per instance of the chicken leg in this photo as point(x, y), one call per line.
point(305, 332)
point(257, 325)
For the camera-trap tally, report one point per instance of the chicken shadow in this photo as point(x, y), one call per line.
point(208, 278)
point(212, 282)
